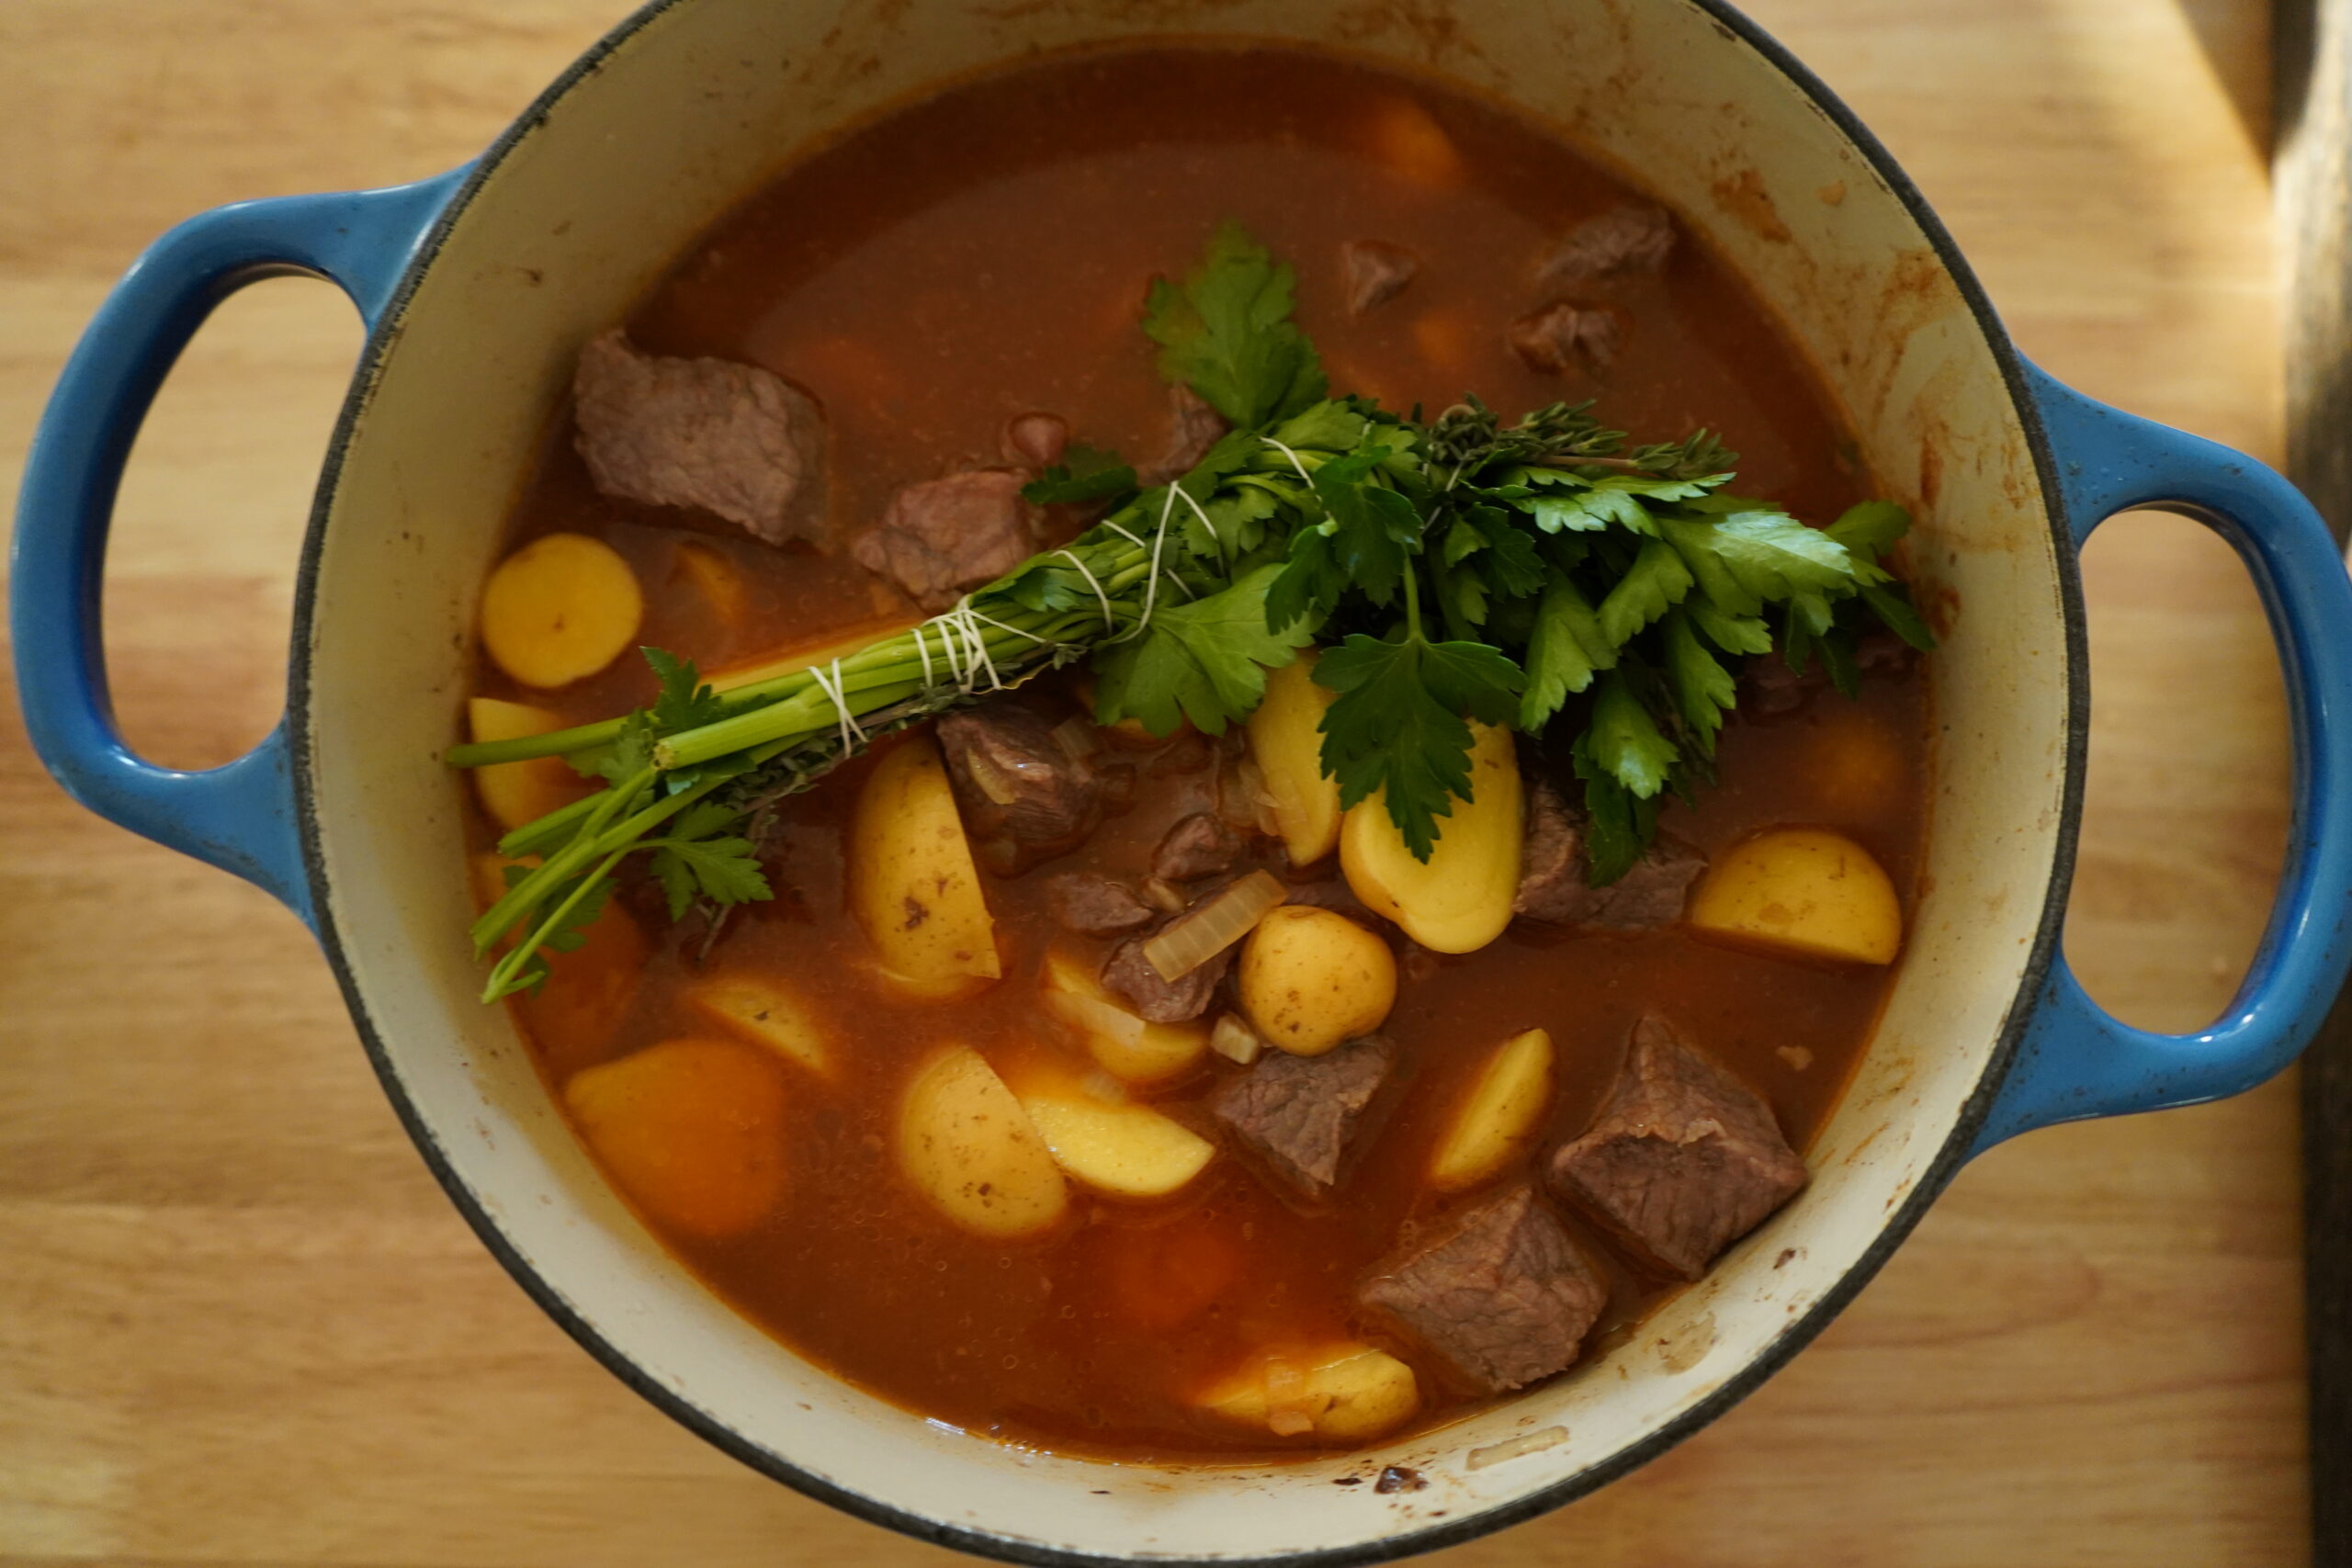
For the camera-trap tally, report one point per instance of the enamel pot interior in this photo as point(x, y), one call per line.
point(685, 110)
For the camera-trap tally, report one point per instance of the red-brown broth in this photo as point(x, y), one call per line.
point(982, 253)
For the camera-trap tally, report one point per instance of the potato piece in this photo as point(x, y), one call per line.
point(1406, 139)
point(1458, 899)
point(1312, 978)
point(1801, 890)
point(1346, 1394)
point(560, 609)
point(1286, 738)
point(1500, 1115)
point(792, 660)
point(1149, 1054)
point(911, 882)
point(516, 793)
point(716, 580)
point(1128, 1151)
point(968, 1147)
point(690, 1129)
point(766, 1012)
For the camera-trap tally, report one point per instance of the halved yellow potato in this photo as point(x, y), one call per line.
point(1801, 890)
point(1458, 899)
point(913, 884)
point(969, 1148)
point(766, 1011)
point(793, 659)
point(516, 793)
point(1500, 1116)
point(690, 1130)
point(560, 609)
point(1128, 1150)
point(1286, 738)
point(1313, 978)
point(716, 580)
point(1345, 1393)
point(1120, 1044)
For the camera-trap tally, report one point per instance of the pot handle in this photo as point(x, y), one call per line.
point(240, 817)
point(2076, 1061)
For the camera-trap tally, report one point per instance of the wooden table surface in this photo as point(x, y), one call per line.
point(239, 1325)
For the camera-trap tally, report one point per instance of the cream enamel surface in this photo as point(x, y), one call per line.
point(567, 231)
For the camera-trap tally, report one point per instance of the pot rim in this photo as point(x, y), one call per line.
point(1957, 1148)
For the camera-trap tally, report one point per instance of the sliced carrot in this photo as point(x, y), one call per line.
point(718, 580)
point(1404, 137)
point(572, 1015)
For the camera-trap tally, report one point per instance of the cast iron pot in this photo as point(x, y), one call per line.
point(479, 288)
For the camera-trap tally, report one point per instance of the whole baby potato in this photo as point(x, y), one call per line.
point(1312, 979)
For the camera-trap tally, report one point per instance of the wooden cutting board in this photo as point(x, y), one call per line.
point(238, 1322)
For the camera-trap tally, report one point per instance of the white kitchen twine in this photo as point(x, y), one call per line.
point(850, 734)
point(1110, 621)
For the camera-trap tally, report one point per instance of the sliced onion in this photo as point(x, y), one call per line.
point(1213, 925)
point(1235, 1039)
point(1513, 1447)
point(990, 777)
point(1092, 1015)
point(1100, 1086)
point(1078, 736)
point(1164, 895)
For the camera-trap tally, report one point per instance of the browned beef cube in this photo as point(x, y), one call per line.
point(1497, 1291)
point(1626, 238)
point(733, 440)
point(1564, 337)
point(1683, 1160)
point(1129, 976)
point(943, 536)
point(1300, 1112)
point(1197, 846)
point(1375, 272)
point(1553, 871)
point(1091, 904)
point(1192, 428)
point(1014, 780)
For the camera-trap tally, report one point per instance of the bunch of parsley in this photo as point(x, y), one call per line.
point(1538, 574)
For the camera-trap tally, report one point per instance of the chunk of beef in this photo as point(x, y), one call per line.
point(1334, 893)
point(1553, 868)
point(1035, 440)
point(1683, 1160)
point(1497, 1291)
point(1091, 904)
point(942, 536)
point(1197, 846)
point(1299, 1114)
point(1014, 780)
point(1192, 428)
point(733, 440)
point(1375, 271)
point(1767, 686)
point(1626, 238)
point(1562, 337)
point(1128, 975)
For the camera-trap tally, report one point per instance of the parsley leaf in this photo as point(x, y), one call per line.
point(1226, 332)
point(1372, 527)
point(725, 871)
point(1564, 654)
point(1655, 582)
point(1704, 690)
point(684, 703)
point(1398, 726)
point(1084, 474)
point(1626, 741)
point(1205, 660)
point(1619, 825)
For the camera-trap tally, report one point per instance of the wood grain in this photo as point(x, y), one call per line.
point(238, 1323)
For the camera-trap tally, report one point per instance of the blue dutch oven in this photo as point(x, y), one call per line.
point(479, 285)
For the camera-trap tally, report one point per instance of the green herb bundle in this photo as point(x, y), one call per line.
point(1460, 569)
